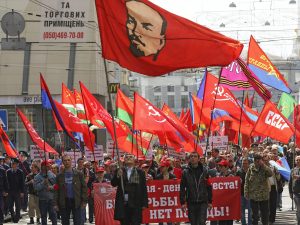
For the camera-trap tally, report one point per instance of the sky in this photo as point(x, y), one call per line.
point(247, 18)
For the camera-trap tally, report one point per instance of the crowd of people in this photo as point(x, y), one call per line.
point(55, 189)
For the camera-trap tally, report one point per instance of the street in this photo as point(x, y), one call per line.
point(284, 217)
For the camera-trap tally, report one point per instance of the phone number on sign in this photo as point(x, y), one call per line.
point(63, 35)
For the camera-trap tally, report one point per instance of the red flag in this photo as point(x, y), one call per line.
point(225, 100)
point(144, 38)
point(67, 99)
point(49, 103)
point(124, 107)
point(97, 114)
point(247, 101)
point(79, 105)
point(297, 123)
point(187, 120)
point(169, 113)
point(57, 124)
point(149, 118)
point(273, 124)
point(182, 113)
point(264, 69)
point(34, 135)
point(254, 81)
point(297, 117)
point(10, 151)
point(74, 124)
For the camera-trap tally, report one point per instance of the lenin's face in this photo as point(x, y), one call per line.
point(145, 28)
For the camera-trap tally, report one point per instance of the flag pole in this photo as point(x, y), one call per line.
point(113, 122)
point(212, 111)
point(88, 125)
point(295, 141)
point(240, 124)
point(137, 144)
point(199, 125)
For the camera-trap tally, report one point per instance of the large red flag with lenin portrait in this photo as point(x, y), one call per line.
point(147, 39)
point(273, 124)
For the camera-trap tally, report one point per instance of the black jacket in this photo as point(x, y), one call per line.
point(161, 177)
point(15, 181)
point(3, 181)
point(242, 174)
point(194, 187)
point(137, 194)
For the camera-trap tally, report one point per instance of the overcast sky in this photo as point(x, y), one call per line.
point(248, 18)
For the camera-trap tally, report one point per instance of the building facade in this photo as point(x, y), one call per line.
point(59, 39)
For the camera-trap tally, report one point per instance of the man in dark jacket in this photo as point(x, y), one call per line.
point(130, 201)
point(70, 193)
point(195, 193)
point(15, 178)
point(3, 192)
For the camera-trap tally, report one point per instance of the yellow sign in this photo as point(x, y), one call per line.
point(113, 87)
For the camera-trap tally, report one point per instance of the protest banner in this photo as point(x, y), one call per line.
point(98, 153)
point(226, 198)
point(104, 200)
point(220, 142)
point(164, 203)
point(37, 153)
point(176, 154)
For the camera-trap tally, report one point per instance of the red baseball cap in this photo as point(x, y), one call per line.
point(108, 162)
point(164, 164)
point(223, 162)
point(141, 158)
point(145, 165)
point(100, 169)
point(45, 163)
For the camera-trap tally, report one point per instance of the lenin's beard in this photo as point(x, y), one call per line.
point(134, 47)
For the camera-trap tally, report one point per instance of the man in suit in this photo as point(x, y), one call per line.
point(25, 167)
point(15, 178)
point(3, 192)
point(131, 200)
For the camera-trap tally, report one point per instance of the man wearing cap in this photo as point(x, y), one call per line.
point(3, 192)
point(99, 178)
point(25, 167)
point(6, 163)
point(145, 167)
point(44, 183)
point(195, 193)
point(256, 189)
point(134, 197)
point(15, 178)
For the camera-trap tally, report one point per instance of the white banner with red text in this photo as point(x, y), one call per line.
point(164, 203)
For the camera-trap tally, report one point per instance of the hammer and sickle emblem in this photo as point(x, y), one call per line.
point(154, 113)
point(219, 89)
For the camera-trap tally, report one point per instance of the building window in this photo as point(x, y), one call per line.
point(157, 101)
point(170, 88)
point(157, 89)
point(184, 101)
point(171, 101)
point(184, 88)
